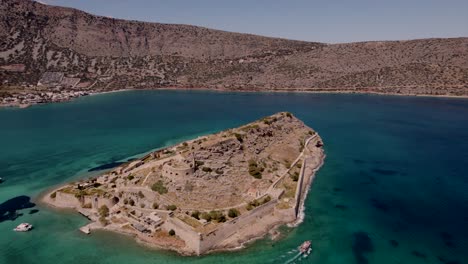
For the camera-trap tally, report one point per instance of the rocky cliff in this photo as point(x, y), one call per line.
point(106, 54)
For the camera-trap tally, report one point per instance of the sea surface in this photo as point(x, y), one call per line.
point(393, 189)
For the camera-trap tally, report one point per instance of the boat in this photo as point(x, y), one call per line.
point(23, 227)
point(1, 179)
point(305, 247)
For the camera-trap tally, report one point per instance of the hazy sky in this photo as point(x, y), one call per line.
point(324, 21)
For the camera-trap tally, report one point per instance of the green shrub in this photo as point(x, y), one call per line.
point(206, 216)
point(53, 195)
point(295, 176)
point(172, 232)
point(207, 169)
point(196, 215)
point(255, 170)
point(257, 202)
point(155, 205)
point(131, 202)
point(104, 211)
point(233, 213)
point(159, 187)
point(217, 216)
point(239, 137)
point(130, 177)
point(141, 195)
point(171, 207)
point(87, 205)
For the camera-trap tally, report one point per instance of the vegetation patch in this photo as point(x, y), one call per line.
point(159, 187)
point(217, 216)
point(233, 213)
point(239, 137)
point(255, 170)
point(258, 202)
point(172, 232)
point(171, 207)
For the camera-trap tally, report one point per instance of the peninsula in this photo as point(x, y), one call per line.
point(212, 193)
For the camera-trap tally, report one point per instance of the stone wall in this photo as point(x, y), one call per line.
point(174, 172)
point(66, 200)
point(210, 240)
point(185, 232)
point(299, 189)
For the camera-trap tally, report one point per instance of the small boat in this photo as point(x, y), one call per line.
point(23, 227)
point(1, 179)
point(305, 247)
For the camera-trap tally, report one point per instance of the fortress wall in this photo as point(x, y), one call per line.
point(287, 215)
point(300, 185)
point(180, 173)
point(226, 230)
point(184, 231)
point(66, 200)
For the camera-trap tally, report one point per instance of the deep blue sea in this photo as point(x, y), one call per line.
point(393, 189)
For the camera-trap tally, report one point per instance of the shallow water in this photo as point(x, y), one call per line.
point(394, 187)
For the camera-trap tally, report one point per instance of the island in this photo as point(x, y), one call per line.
point(208, 194)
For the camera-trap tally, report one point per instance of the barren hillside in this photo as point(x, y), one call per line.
point(98, 53)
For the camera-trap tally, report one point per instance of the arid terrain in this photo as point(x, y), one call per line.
point(211, 193)
point(47, 51)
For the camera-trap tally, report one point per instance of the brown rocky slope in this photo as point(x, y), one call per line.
point(109, 54)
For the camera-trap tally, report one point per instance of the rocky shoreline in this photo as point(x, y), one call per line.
point(23, 100)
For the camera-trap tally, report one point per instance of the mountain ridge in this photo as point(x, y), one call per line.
point(110, 54)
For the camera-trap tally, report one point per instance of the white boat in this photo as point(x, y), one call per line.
point(23, 227)
point(305, 248)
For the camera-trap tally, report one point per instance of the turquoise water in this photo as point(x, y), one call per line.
point(394, 187)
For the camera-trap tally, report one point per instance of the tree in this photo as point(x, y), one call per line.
point(172, 232)
point(196, 215)
point(255, 170)
point(155, 205)
point(159, 187)
point(233, 213)
point(104, 211)
point(239, 137)
point(171, 207)
point(206, 216)
point(207, 169)
point(295, 176)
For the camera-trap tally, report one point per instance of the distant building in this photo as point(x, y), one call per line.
point(140, 228)
point(252, 191)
